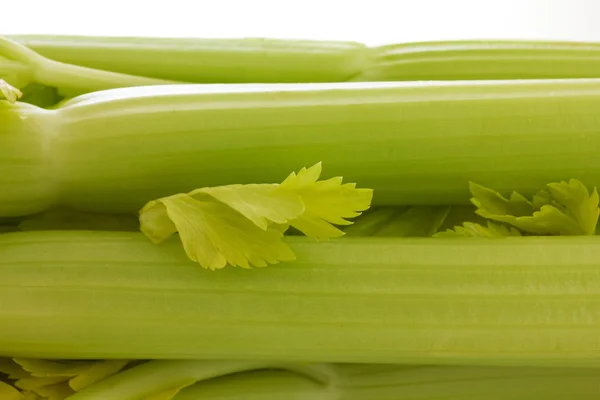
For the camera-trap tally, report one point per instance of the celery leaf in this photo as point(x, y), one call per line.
point(7, 392)
point(471, 229)
point(261, 204)
point(214, 234)
point(373, 221)
point(96, 372)
point(565, 208)
point(13, 370)
point(326, 202)
point(58, 391)
point(243, 225)
point(57, 380)
point(416, 221)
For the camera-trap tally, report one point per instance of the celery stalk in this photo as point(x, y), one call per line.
point(356, 382)
point(483, 60)
point(21, 66)
point(512, 301)
point(250, 60)
point(258, 385)
point(418, 143)
point(158, 376)
point(413, 143)
point(27, 180)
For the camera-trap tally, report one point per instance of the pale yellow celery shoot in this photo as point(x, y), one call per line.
point(243, 225)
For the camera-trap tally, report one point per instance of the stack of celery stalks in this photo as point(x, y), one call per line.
point(264, 219)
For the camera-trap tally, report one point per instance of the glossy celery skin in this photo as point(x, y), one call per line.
point(515, 301)
point(413, 143)
point(483, 60)
point(208, 60)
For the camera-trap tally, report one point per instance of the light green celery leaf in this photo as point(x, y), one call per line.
point(575, 201)
point(32, 396)
point(262, 204)
point(243, 225)
point(56, 380)
point(459, 215)
point(372, 221)
point(59, 391)
point(7, 392)
point(12, 369)
point(471, 229)
point(46, 368)
point(416, 221)
point(9, 93)
point(213, 234)
point(326, 202)
point(96, 372)
point(540, 199)
point(493, 203)
point(35, 382)
point(565, 208)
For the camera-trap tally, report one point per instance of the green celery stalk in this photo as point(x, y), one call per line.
point(346, 382)
point(413, 143)
point(21, 66)
point(258, 385)
point(251, 60)
point(466, 382)
point(483, 60)
point(27, 182)
point(158, 376)
point(509, 301)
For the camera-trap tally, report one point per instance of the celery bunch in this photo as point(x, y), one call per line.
point(124, 213)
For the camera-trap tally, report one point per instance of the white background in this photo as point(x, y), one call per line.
point(369, 21)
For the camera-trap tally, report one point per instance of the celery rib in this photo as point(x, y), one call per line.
point(70, 80)
point(251, 60)
point(483, 60)
point(157, 376)
point(516, 301)
point(258, 385)
point(412, 143)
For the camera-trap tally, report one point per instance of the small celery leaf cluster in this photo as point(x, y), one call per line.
point(243, 225)
point(563, 208)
